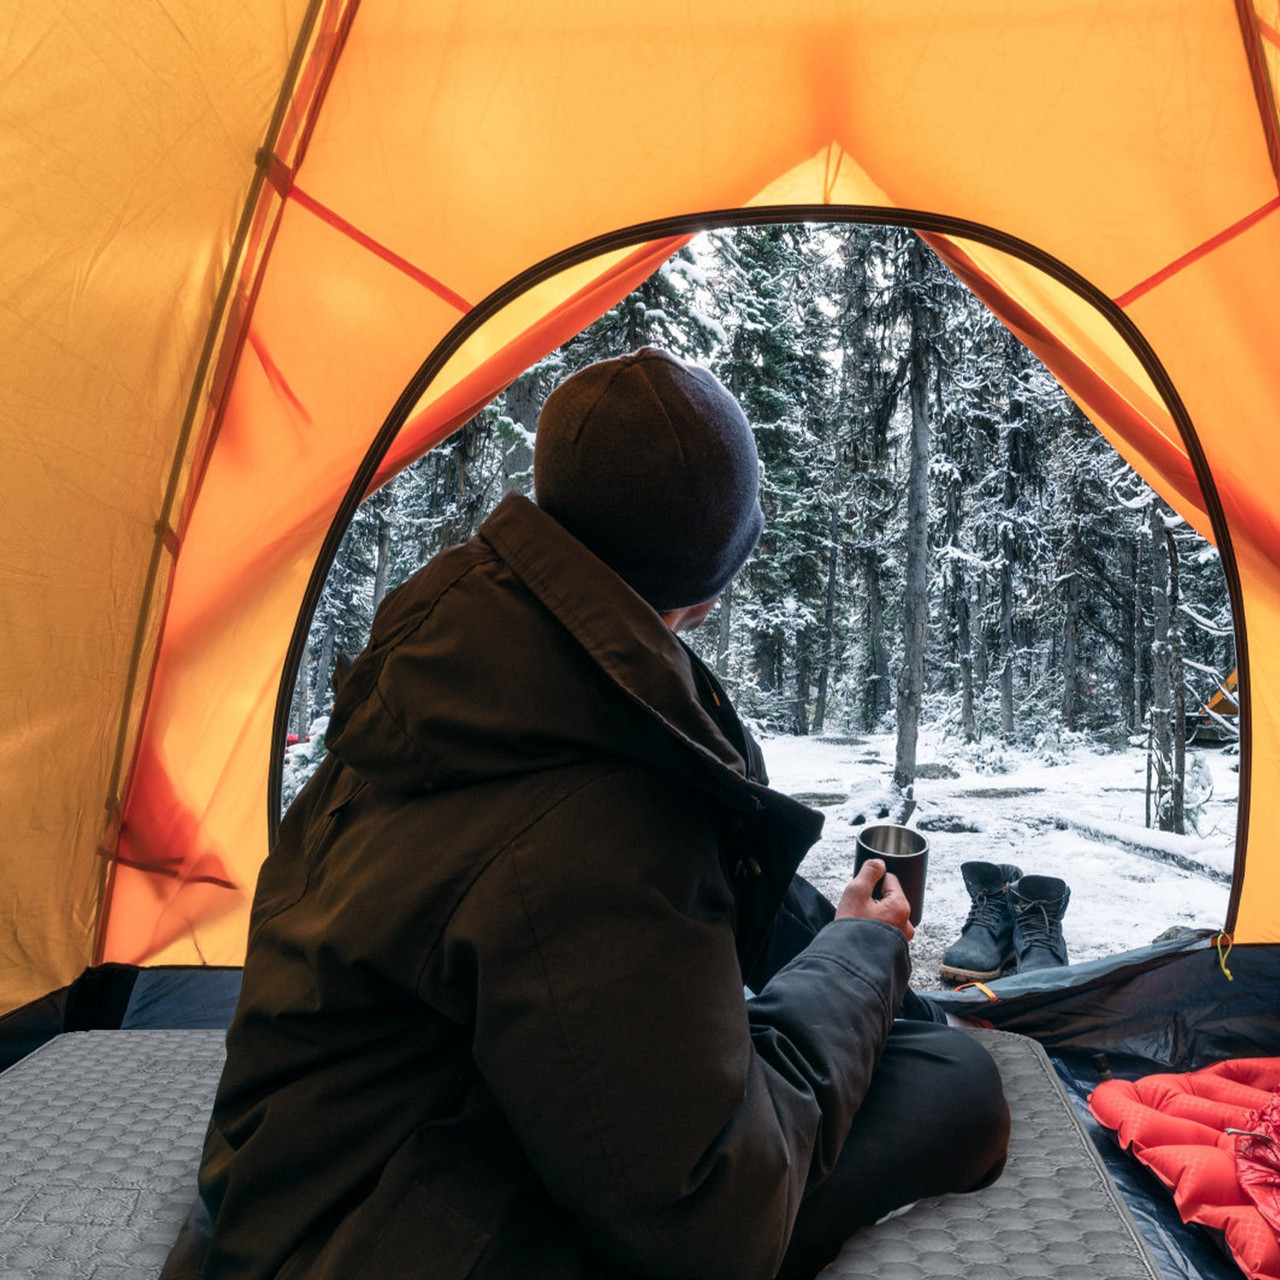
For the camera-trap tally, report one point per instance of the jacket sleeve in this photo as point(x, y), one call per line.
point(677, 1122)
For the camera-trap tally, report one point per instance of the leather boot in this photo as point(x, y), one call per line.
point(1038, 904)
point(985, 944)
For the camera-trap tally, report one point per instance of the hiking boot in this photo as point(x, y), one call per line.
point(1038, 904)
point(985, 944)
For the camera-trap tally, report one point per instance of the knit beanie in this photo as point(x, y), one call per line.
point(650, 463)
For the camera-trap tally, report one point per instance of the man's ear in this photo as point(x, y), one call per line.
point(689, 616)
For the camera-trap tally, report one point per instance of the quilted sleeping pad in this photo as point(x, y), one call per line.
point(1054, 1213)
point(100, 1136)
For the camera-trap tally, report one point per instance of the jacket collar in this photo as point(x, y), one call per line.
point(619, 630)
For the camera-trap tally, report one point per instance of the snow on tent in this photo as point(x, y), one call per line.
point(258, 258)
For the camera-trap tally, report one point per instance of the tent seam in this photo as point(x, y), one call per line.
point(119, 782)
point(1250, 25)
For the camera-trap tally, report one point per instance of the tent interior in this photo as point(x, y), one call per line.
point(258, 261)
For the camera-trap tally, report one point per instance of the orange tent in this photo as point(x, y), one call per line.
point(250, 249)
point(1222, 701)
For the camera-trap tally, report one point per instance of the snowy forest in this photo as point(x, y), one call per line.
point(949, 541)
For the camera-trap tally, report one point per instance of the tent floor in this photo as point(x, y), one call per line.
point(100, 1134)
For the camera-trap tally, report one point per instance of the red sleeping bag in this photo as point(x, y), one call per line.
point(1213, 1138)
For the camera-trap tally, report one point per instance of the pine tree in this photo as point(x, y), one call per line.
point(771, 361)
point(871, 369)
point(926, 327)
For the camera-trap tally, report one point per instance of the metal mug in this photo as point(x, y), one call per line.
point(905, 854)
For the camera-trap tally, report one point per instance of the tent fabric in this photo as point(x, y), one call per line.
point(1176, 1005)
point(239, 242)
point(1209, 1136)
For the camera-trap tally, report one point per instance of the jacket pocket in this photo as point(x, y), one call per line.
point(422, 1237)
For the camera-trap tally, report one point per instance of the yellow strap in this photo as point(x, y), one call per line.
point(1222, 955)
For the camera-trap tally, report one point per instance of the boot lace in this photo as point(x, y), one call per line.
point(1035, 925)
point(987, 910)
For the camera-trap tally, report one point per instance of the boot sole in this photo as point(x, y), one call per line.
point(951, 974)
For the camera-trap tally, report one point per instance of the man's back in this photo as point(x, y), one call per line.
point(493, 1021)
point(469, 1007)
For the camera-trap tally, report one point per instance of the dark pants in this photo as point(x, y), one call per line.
point(934, 1121)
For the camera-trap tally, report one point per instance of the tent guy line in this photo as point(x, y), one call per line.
point(283, 180)
point(339, 223)
point(1201, 250)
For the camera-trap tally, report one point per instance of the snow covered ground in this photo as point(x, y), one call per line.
point(1073, 812)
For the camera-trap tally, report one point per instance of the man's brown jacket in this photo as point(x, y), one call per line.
point(493, 1020)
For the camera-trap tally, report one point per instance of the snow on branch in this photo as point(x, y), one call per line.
point(1205, 624)
point(952, 552)
point(1204, 670)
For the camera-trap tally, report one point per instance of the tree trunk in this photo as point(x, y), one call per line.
point(1141, 700)
point(800, 709)
point(1070, 641)
point(302, 695)
point(724, 631)
point(523, 403)
point(324, 674)
point(828, 623)
point(461, 526)
point(766, 647)
point(875, 699)
point(1007, 725)
point(978, 630)
point(915, 604)
point(1151, 749)
point(382, 565)
point(964, 647)
point(1126, 691)
point(1161, 669)
point(1177, 680)
point(1014, 443)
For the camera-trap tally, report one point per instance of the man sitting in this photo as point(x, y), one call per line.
point(493, 1020)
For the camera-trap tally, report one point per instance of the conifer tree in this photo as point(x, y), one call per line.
point(870, 361)
point(772, 364)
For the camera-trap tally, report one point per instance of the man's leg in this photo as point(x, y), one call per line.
point(934, 1121)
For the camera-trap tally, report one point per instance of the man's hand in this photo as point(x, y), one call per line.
point(856, 902)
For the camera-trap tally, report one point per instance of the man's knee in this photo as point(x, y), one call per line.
point(978, 1132)
point(935, 1121)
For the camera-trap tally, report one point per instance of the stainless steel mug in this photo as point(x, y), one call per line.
point(905, 854)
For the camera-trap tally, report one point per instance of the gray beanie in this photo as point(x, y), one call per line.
point(651, 464)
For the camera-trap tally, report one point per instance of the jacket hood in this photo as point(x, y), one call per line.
point(521, 650)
